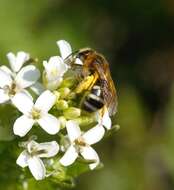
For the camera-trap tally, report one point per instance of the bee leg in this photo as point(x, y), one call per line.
point(93, 81)
point(85, 84)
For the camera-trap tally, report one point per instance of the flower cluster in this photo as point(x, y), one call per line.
point(51, 105)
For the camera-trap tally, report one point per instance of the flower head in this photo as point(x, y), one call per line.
point(32, 155)
point(55, 68)
point(81, 144)
point(35, 113)
point(54, 71)
point(16, 79)
point(10, 86)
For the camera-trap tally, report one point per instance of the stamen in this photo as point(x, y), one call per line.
point(36, 113)
point(11, 90)
point(80, 141)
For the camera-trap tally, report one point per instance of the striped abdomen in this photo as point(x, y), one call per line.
point(93, 101)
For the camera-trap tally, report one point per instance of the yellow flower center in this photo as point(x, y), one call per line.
point(36, 113)
point(11, 90)
point(80, 142)
point(54, 72)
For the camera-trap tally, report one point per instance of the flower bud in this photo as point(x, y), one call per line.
point(64, 92)
point(51, 84)
point(62, 122)
point(72, 113)
point(61, 105)
point(68, 82)
point(85, 120)
point(57, 94)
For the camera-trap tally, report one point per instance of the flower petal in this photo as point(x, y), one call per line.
point(57, 62)
point(23, 102)
point(49, 149)
point(37, 167)
point(5, 79)
point(23, 159)
point(16, 62)
point(55, 68)
point(22, 125)
point(28, 94)
point(32, 145)
point(21, 58)
point(27, 76)
point(50, 124)
point(12, 60)
point(65, 48)
point(37, 88)
point(106, 120)
point(6, 70)
point(90, 154)
point(3, 96)
point(45, 101)
point(53, 85)
point(73, 130)
point(69, 157)
point(94, 135)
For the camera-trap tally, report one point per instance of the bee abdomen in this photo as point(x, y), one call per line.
point(96, 90)
point(93, 102)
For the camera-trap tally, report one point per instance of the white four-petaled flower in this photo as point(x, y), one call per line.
point(35, 113)
point(54, 71)
point(31, 157)
point(56, 67)
point(12, 82)
point(81, 144)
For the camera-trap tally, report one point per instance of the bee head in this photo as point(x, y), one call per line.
point(84, 53)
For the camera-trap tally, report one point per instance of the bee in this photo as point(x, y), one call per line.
point(95, 78)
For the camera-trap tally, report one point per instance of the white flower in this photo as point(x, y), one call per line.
point(105, 120)
point(35, 113)
point(54, 71)
point(10, 86)
point(55, 68)
point(31, 157)
point(16, 63)
point(16, 79)
point(81, 144)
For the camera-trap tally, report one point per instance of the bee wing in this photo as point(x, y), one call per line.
point(112, 102)
point(108, 88)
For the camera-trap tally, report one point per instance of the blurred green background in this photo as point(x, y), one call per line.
point(137, 38)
